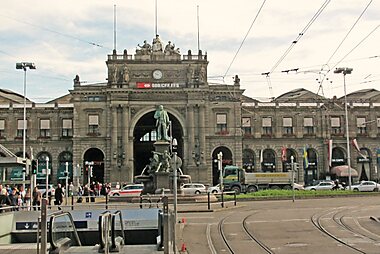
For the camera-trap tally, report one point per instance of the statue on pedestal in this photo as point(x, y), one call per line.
point(162, 123)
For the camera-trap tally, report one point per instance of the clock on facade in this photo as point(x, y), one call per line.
point(157, 74)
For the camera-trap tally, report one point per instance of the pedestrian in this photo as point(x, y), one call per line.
point(58, 195)
point(36, 198)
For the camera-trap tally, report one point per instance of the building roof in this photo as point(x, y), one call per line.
point(299, 95)
point(364, 95)
point(7, 96)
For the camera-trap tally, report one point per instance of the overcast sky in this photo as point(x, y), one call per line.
point(59, 37)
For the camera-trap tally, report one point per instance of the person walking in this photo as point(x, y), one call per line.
point(58, 195)
point(36, 198)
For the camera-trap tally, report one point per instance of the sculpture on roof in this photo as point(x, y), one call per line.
point(157, 44)
point(145, 49)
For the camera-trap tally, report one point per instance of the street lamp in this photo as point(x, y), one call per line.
point(24, 66)
point(346, 71)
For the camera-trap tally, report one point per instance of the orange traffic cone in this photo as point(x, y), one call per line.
point(183, 248)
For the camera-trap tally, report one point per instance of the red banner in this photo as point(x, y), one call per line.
point(143, 85)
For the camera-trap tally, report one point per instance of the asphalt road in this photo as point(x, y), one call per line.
point(330, 225)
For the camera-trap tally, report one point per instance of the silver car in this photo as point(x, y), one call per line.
point(366, 186)
point(193, 188)
point(327, 185)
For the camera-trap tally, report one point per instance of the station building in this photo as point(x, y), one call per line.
point(109, 129)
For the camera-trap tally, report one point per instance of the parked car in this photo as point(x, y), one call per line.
point(193, 188)
point(298, 186)
point(324, 185)
point(214, 189)
point(127, 190)
point(366, 186)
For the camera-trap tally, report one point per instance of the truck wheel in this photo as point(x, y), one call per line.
point(236, 189)
point(287, 187)
point(251, 189)
point(275, 187)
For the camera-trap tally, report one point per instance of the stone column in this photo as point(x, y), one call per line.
point(114, 148)
point(190, 127)
point(127, 147)
point(202, 137)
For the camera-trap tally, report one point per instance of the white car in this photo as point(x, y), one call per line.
point(193, 188)
point(366, 186)
point(326, 185)
point(298, 186)
point(128, 190)
point(214, 189)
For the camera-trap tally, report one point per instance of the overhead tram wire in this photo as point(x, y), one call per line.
point(300, 35)
point(348, 33)
point(245, 37)
point(56, 32)
point(340, 44)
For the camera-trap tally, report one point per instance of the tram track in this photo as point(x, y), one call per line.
point(340, 235)
point(253, 239)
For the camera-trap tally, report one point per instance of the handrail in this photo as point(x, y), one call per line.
point(54, 245)
point(104, 228)
point(113, 224)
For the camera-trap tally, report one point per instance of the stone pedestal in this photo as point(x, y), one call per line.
point(161, 146)
point(162, 180)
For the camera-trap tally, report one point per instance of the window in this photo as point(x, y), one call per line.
point(267, 125)
point(361, 125)
point(67, 127)
point(287, 123)
point(44, 128)
point(308, 125)
point(93, 124)
point(246, 125)
point(149, 136)
point(2, 128)
point(335, 125)
point(20, 128)
point(221, 123)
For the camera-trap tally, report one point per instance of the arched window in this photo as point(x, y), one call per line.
point(248, 160)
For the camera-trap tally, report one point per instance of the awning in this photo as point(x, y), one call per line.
point(343, 171)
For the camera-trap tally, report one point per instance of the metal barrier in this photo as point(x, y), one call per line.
point(104, 231)
point(117, 241)
point(62, 232)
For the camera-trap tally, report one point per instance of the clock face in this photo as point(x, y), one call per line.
point(157, 74)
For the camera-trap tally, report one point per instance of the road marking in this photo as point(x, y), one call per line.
point(209, 241)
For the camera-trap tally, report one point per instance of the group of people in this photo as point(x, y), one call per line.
point(13, 196)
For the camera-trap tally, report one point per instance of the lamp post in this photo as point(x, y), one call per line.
point(346, 71)
point(24, 66)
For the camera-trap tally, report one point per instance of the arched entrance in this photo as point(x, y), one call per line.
point(226, 160)
point(310, 173)
point(338, 157)
point(364, 164)
point(93, 160)
point(268, 158)
point(287, 163)
point(61, 175)
point(145, 135)
point(248, 160)
point(42, 159)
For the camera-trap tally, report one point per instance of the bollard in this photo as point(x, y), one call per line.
point(208, 201)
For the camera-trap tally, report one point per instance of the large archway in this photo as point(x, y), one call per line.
point(93, 161)
point(226, 160)
point(145, 135)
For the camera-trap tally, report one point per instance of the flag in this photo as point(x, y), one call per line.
point(356, 145)
point(306, 160)
point(329, 155)
point(283, 153)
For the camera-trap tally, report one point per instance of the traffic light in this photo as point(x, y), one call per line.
point(34, 167)
point(296, 167)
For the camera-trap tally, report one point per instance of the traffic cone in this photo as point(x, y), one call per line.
point(183, 247)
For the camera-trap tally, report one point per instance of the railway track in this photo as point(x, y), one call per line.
point(259, 246)
point(333, 223)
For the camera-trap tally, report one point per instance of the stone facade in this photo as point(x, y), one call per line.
point(112, 127)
